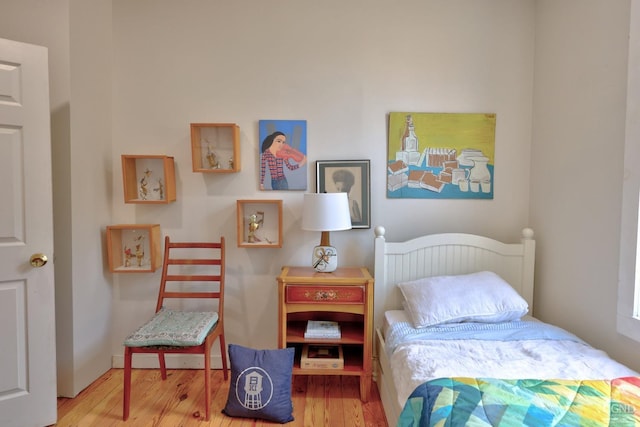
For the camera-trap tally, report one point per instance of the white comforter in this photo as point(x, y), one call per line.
point(419, 361)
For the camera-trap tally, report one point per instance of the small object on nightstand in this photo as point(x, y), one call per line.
point(324, 259)
point(322, 329)
point(325, 212)
point(321, 356)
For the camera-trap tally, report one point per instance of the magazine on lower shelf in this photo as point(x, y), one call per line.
point(322, 329)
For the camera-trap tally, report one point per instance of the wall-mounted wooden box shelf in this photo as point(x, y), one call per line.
point(148, 179)
point(215, 147)
point(259, 223)
point(134, 248)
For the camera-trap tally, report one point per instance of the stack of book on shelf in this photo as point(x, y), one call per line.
point(322, 329)
point(321, 356)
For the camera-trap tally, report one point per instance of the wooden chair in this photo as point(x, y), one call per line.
point(185, 271)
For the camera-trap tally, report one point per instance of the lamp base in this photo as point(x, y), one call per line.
point(324, 259)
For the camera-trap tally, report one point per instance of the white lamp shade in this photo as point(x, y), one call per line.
point(326, 212)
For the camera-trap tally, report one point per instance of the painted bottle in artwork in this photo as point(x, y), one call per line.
point(409, 153)
point(409, 139)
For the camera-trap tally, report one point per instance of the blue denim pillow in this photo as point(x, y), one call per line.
point(260, 384)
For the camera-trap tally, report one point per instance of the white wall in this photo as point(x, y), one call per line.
point(343, 71)
point(577, 166)
point(91, 192)
point(77, 35)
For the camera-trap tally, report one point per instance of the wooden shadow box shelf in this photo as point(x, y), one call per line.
point(148, 179)
point(259, 223)
point(215, 147)
point(134, 248)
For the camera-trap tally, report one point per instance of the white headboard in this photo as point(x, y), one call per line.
point(447, 254)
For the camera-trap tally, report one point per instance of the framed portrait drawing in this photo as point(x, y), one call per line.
point(351, 177)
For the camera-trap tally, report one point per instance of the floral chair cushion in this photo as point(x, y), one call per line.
point(173, 328)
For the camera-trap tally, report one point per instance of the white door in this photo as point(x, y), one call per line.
point(27, 319)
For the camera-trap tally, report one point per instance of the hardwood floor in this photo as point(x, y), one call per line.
point(331, 401)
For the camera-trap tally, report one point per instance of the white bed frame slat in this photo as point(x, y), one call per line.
point(437, 255)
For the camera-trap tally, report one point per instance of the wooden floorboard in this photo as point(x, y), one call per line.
point(179, 401)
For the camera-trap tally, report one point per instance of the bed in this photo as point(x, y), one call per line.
point(455, 340)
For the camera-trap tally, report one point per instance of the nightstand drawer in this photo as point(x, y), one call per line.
point(325, 294)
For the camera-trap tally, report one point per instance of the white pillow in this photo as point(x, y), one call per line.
point(476, 297)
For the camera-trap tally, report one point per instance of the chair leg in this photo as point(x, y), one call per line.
point(127, 383)
point(207, 379)
point(163, 365)
point(223, 354)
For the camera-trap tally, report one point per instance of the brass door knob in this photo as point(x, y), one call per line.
point(38, 260)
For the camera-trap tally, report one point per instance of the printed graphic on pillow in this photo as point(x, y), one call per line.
point(254, 388)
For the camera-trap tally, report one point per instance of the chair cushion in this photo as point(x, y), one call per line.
point(173, 328)
point(260, 384)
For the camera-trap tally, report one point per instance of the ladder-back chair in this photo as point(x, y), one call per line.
point(188, 269)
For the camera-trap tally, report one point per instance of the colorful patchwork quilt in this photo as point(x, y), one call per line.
point(454, 402)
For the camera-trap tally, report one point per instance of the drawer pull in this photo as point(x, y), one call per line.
point(328, 295)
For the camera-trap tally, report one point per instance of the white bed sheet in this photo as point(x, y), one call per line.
point(391, 317)
point(419, 361)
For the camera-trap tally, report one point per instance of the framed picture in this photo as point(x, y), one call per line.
point(283, 154)
point(351, 177)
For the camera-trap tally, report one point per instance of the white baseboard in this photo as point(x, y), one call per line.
point(174, 361)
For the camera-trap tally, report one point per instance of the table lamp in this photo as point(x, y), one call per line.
point(325, 212)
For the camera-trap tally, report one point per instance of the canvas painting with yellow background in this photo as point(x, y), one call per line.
point(441, 155)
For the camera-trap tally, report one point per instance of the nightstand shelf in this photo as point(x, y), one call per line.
point(352, 332)
point(352, 365)
point(344, 296)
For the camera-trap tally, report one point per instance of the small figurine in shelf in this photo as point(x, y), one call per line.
point(127, 256)
point(144, 191)
point(231, 163)
point(160, 190)
point(136, 240)
point(139, 254)
point(254, 224)
point(211, 158)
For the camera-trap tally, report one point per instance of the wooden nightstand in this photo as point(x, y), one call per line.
point(345, 296)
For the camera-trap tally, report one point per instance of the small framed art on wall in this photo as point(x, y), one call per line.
point(351, 177)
